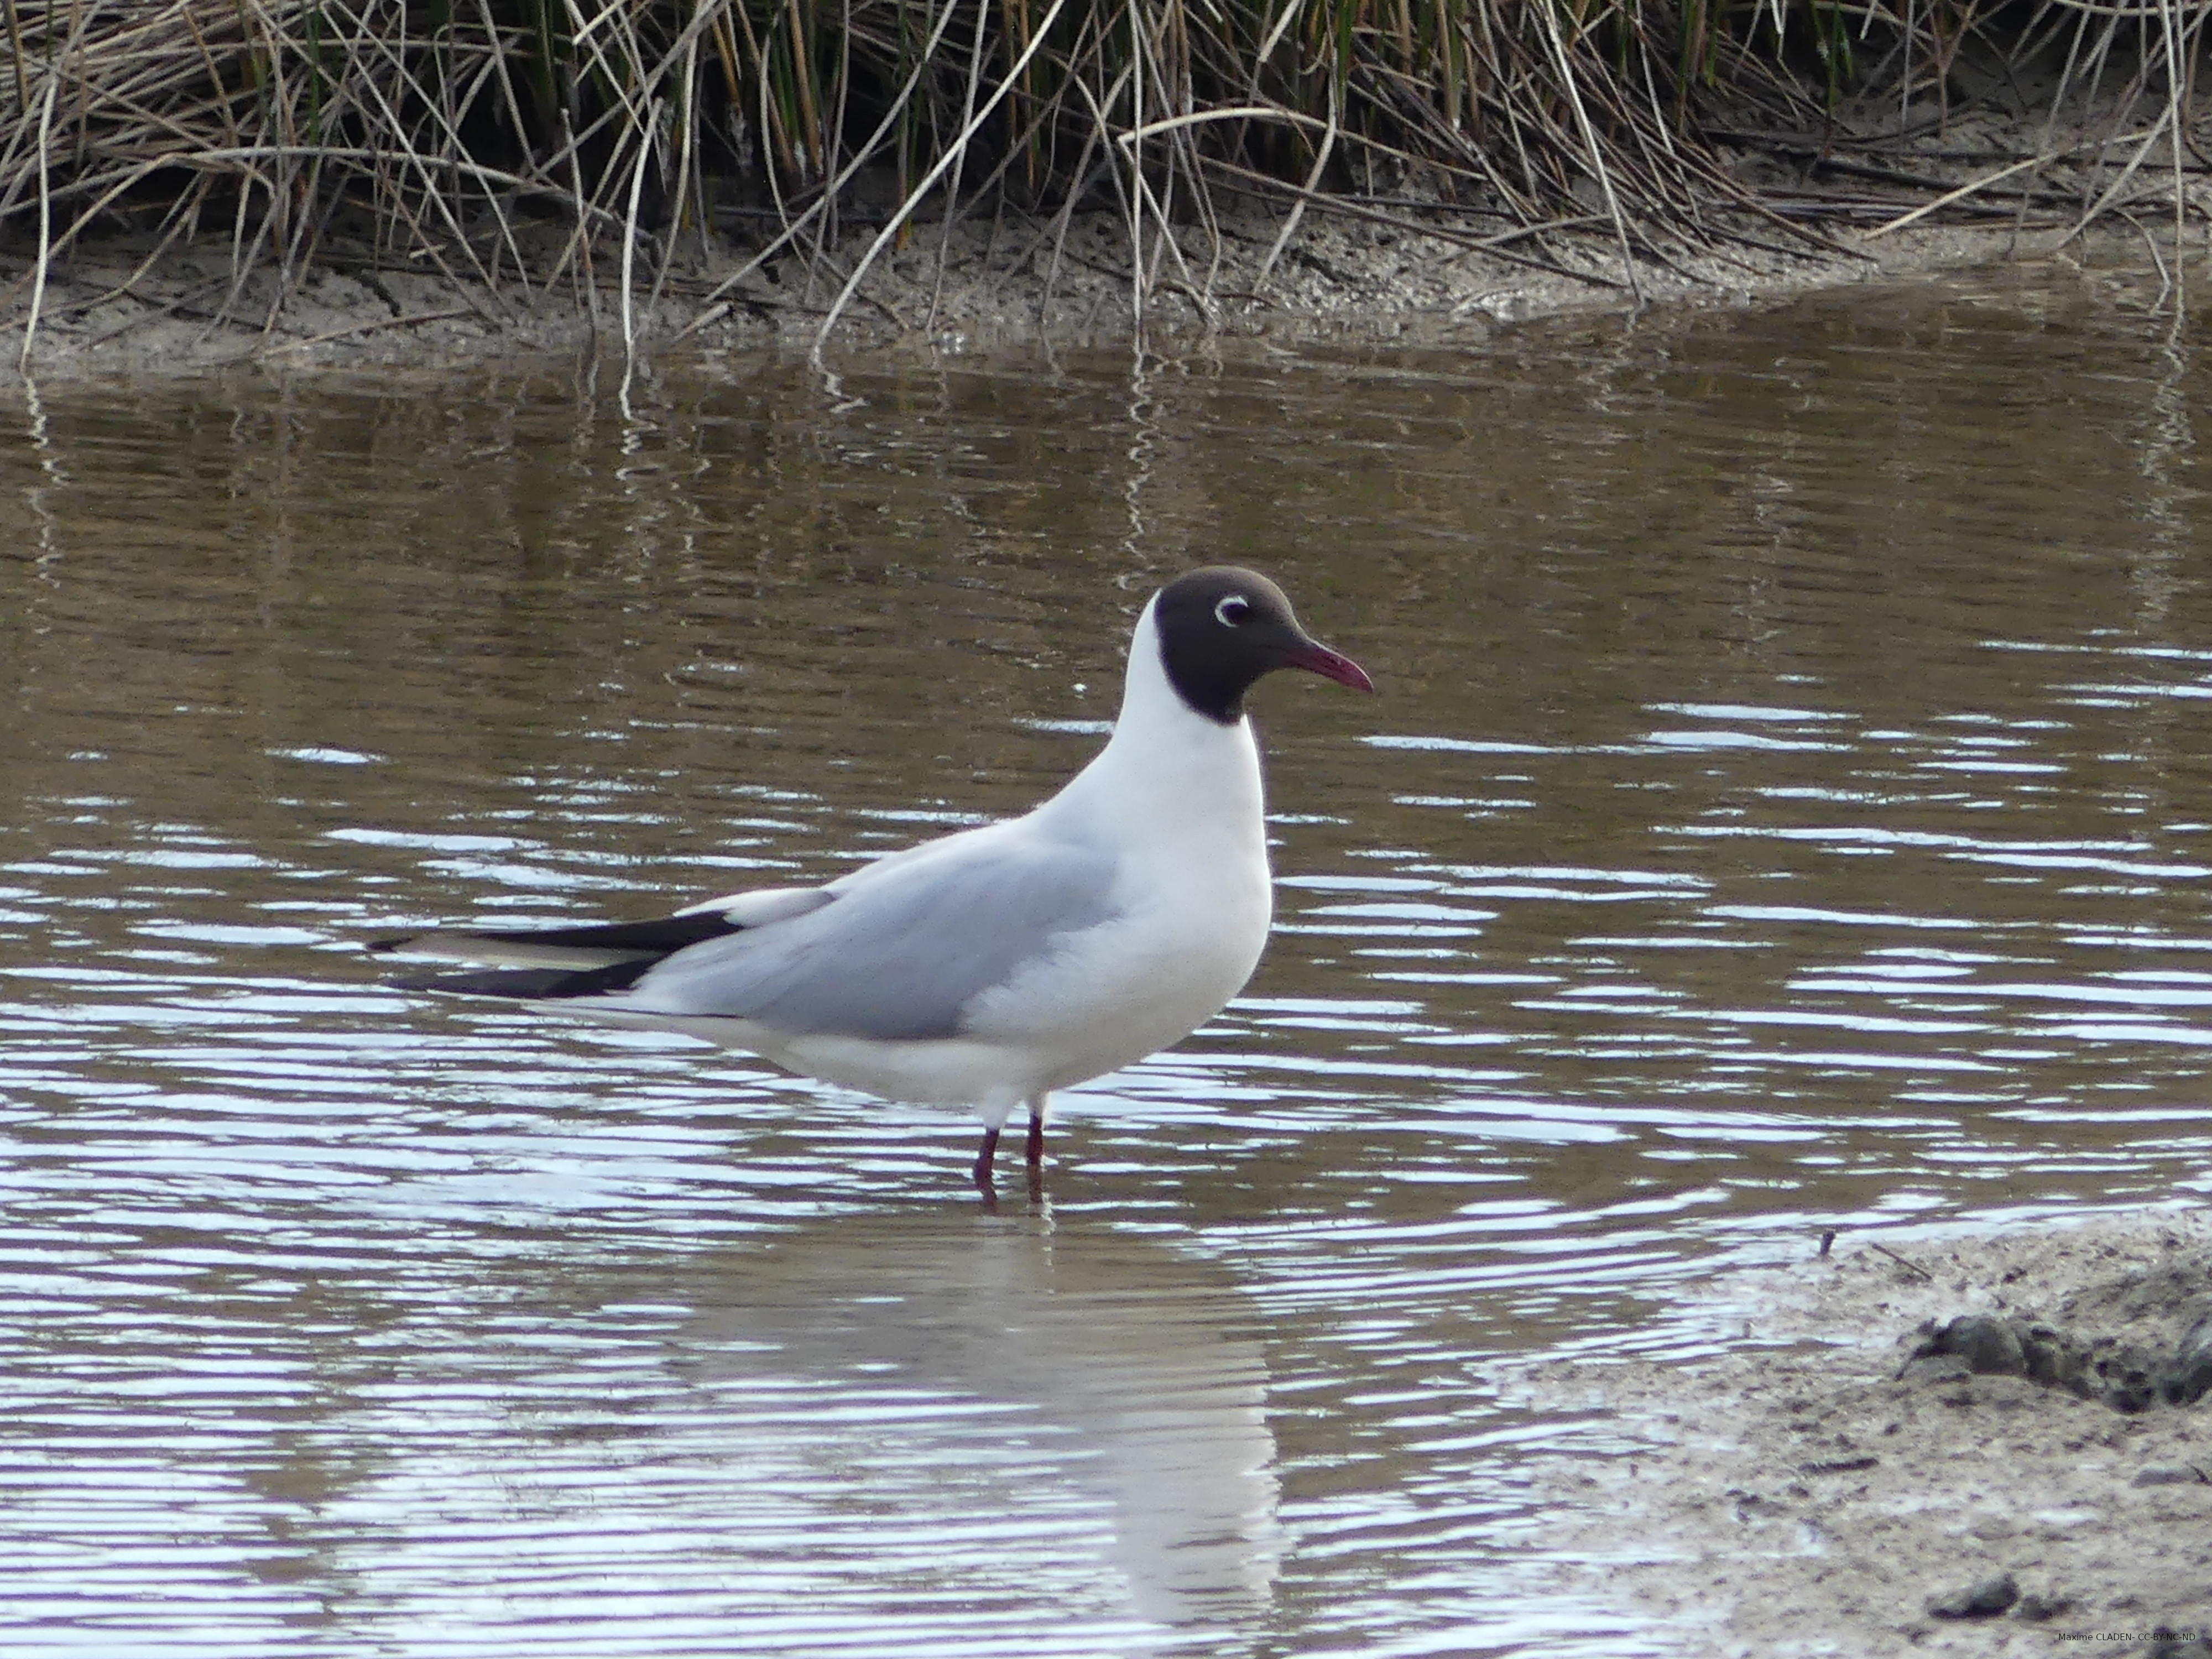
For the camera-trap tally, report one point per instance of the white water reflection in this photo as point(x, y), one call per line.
point(990, 1437)
point(1113, 1377)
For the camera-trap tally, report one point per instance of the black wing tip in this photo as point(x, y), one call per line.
point(510, 984)
point(526, 984)
point(659, 937)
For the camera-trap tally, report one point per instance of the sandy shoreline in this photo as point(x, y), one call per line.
point(1829, 1494)
point(98, 315)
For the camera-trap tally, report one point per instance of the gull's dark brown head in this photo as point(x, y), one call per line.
point(1222, 628)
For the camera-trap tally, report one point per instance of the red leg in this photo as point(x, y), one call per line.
point(983, 1170)
point(1034, 1151)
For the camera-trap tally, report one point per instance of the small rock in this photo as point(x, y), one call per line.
point(2128, 1380)
point(2034, 1609)
point(1935, 1368)
point(1989, 1344)
point(2054, 1359)
point(2190, 1378)
point(2166, 1474)
point(1840, 1465)
point(1985, 1600)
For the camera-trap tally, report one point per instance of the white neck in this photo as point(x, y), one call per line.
point(1167, 766)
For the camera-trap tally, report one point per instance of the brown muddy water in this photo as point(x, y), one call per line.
point(1786, 806)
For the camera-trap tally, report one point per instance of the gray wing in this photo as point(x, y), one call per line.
point(898, 957)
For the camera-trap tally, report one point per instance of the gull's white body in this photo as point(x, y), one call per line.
point(1173, 801)
point(990, 968)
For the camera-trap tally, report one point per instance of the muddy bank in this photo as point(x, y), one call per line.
point(1905, 1468)
point(97, 313)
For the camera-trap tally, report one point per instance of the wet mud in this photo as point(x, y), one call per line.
point(976, 287)
point(1985, 1445)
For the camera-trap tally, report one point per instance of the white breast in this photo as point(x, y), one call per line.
point(1178, 800)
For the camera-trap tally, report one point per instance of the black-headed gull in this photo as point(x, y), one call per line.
point(988, 968)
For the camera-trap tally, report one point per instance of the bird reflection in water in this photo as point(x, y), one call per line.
point(1136, 1365)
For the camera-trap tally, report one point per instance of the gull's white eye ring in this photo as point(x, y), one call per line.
point(1232, 610)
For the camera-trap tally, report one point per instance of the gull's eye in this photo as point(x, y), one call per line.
point(1232, 610)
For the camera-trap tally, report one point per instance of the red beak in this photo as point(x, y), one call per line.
point(1330, 665)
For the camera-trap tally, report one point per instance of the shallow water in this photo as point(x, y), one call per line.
point(1786, 807)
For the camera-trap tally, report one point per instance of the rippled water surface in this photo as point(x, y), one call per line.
point(1786, 806)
